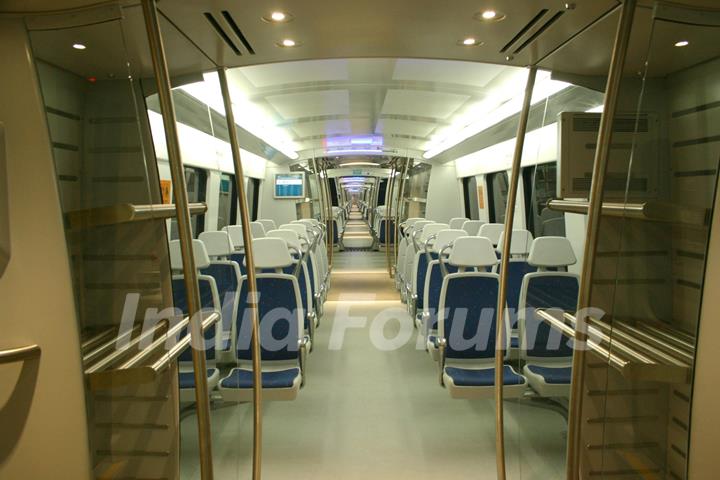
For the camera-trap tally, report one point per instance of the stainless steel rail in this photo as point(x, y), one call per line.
point(177, 174)
point(634, 357)
point(125, 213)
point(602, 156)
point(653, 211)
point(252, 282)
point(504, 265)
point(132, 372)
point(19, 354)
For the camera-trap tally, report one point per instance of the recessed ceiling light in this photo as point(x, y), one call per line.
point(682, 43)
point(278, 16)
point(489, 16)
point(79, 46)
point(469, 42)
point(288, 43)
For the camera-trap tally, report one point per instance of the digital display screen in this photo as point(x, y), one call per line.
point(290, 185)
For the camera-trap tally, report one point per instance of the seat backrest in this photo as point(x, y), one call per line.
point(472, 227)
point(456, 223)
point(445, 237)
point(467, 317)
point(547, 290)
point(280, 315)
point(236, 235)
point(520, 242)
point(268, 224)
point(491, 231)
point(257, 229)
point(202, 259)
point(217, 244)
point(290, 237)
point(271, 254)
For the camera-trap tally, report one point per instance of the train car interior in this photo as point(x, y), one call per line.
point(359, 240)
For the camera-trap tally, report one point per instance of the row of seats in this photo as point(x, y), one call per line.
point(292, 276)
point(448, 276)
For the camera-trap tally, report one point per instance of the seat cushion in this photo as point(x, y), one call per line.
point(553, 375)
point(239, 378)
point(187, 379)
point(466, 377)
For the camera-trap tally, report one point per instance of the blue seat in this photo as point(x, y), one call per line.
point(382, 234)
point(227, 274)
point(546, 351)
point(243, 379)
point(280, 313)
point(427, 234)
point(467, 323)
point(209, 302)
point(433, 280)
point(236, 237)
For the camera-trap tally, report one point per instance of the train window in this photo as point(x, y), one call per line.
point(470, 195)
point(333, 193)
point(228, 201)
point(497, 184)
point(381, 191)
point(253, 197)
point(540, 184)
point(196, 181)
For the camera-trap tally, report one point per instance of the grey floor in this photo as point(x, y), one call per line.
point(366, 412)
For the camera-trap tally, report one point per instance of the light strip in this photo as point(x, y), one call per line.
point(492, 112)
point(247, 114)
point(358, 164)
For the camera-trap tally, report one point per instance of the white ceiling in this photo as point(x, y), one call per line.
point(349, 101)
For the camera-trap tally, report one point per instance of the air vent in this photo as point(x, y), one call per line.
point(233, 24)
point(539, 32)
point(231, 36)
point(621, 124)
point(525, 29)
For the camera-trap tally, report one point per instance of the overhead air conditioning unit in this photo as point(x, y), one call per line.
point(635, 139)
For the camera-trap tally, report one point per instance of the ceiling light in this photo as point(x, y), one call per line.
point(489, 16)
point(79, 46)
point(469, 42)
point(288, 43)
point(358, 164)
point(682, 43)
point(278, 17)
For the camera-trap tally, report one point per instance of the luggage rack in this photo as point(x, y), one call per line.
point(125, 213)
point(638, 352)
point(652, 211)
point(144, 365)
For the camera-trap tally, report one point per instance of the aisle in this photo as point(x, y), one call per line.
point(357, 233)
point(366, 412)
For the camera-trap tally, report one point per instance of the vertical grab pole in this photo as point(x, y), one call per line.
point(398, 211)
point(388, 213)
point(504, 262)
point(595, 199)
point(202, 399)
point(250, 267)
point(329, 212)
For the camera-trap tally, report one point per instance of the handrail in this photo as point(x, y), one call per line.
point(115, 355)
point(651, 210)
point(132, 373)
point(108, 344)
point(125, 213)
point(19, 354)
point(640, 357)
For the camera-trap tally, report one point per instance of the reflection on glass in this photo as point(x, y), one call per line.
point(648, 272)
point(111, 200)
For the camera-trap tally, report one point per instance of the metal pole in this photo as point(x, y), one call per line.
point(388, 213)
point(504, 262)
point(251, 281)
point(595, 199)
point(329, 211)
point(399, 208)
point(202, 399)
